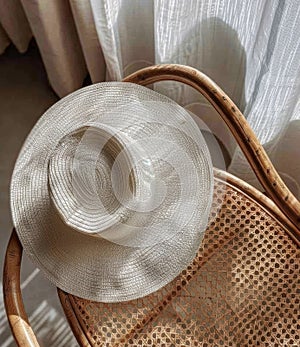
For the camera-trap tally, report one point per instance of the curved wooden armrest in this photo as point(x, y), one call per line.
point(14, 306)
point(236, 122)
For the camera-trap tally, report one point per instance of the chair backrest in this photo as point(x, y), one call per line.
point(238, 125)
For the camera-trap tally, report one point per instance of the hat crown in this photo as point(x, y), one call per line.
point(100, 180)
point(81, 182)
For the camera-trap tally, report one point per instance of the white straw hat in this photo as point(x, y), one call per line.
point(111, 192)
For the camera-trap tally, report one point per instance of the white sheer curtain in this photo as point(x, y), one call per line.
point(250, 48)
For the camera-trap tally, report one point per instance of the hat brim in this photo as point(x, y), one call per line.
point(86, 266)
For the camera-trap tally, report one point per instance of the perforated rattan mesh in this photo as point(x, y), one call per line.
point(241, 290)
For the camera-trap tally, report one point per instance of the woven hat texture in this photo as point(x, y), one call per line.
point(111, 192)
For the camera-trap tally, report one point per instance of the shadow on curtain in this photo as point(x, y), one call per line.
point(214, 48)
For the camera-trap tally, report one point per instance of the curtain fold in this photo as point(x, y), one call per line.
point(55, 32)
point(13, 20)
point(274, 90)
point(93, 55)
point(4, 40)
point(250, 48)
point(126, 33)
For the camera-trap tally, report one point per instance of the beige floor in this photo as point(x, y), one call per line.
point(24, 96)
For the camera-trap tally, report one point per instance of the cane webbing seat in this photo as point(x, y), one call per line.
point(242, 288)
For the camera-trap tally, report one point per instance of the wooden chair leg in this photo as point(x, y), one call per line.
point(14, 306)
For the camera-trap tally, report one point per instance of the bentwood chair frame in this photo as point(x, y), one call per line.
point(280, 204)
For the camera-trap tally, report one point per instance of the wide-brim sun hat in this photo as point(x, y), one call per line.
point(112, 191)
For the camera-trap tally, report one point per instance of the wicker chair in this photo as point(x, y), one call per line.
point(242, 288)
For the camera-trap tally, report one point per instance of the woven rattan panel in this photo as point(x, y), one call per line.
point(241, 290)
